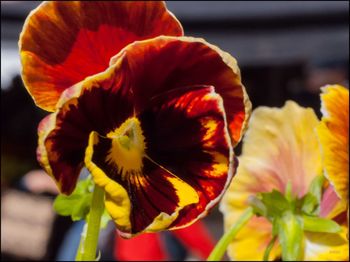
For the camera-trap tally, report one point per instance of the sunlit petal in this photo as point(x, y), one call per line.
point(64, 42)
point(165, 63)
point(333, 133)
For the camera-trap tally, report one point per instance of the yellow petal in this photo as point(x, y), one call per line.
point(250, 243)
point(333, 133)
point(117, 200)
point(326, 247)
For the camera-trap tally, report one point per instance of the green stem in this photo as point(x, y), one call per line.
point(78, 256)
point(269, 248)
point(220, 248)
point(89, 245)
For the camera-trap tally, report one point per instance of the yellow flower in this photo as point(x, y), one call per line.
point(333, 134)
point(280, 148)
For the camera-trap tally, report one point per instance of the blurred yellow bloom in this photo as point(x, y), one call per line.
point(280, 148)
point(333, 134)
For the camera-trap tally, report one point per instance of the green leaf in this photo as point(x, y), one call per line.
point(275, 203)
point(290, 236)
point(77, 204)
point(323, 225)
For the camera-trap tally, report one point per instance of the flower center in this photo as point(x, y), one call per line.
point(128, 147)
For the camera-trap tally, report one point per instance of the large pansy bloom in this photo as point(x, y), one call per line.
point(280, 149)
point(333, 133)
point(153, 132)
point(64, 42)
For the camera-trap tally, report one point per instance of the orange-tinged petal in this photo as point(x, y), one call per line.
point(64, 42)
point(333, 133)
point(45, 126)
point(165, 63)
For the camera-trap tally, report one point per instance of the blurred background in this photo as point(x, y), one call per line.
point(285, 49)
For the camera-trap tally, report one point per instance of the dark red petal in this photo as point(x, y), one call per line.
point(166, 63)
point(185, 161)
point(186, 215)
point(97, 104)
point(188, 136)
point(64, 42)
point(153, 192)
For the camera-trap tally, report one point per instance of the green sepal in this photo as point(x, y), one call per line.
point(288, 192)
point(258, 206)
point(290, 235)
point(77, 204)
point(275, 226)
point(310, 203)
point(323, 225)
point(316, 187)
point(275, 203)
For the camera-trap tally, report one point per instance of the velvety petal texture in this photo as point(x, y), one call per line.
point(155, 124)
point(62, 42)
point(98, 103)
point(333, 134)
point(280, 147)
point(163, 164)
point(165, 63)
point(181, 170)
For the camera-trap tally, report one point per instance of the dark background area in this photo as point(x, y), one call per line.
point(285, 50)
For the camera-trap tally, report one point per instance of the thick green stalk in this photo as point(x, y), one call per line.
point(89, 246)
point(220, 248)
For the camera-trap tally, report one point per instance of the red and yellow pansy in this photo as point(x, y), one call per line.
point(152, 114)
